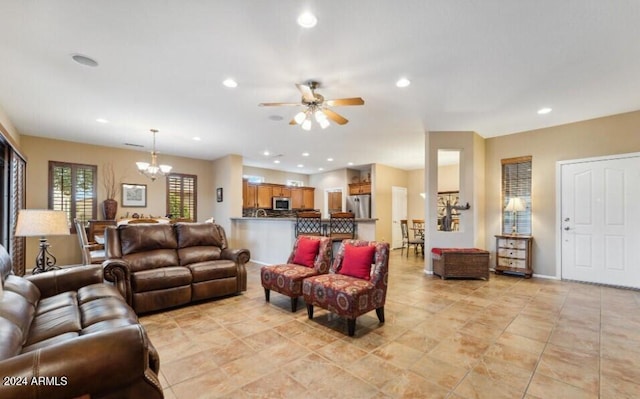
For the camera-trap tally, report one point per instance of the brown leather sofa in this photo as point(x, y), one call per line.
point(67, 334)
point(157, 266)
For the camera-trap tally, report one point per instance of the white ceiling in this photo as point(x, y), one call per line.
point(485, 66)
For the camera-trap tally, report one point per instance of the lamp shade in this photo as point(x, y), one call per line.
point(41, 223)
point(515, 204)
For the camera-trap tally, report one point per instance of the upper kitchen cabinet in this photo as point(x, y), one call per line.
point(302, 197)
point(256, 195)
point(360, 188)
point(281, 191)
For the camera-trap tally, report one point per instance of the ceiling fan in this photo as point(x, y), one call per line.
point(317, 107)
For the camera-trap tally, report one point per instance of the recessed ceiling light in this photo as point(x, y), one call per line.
point(305, 154)
point(307, 20)
point(197, 138)
point(543, 111)
point(84, 60)
point(350, 163)
point(403, 82)
point(300, 165)
point(329, 159)
point(230, 83)
point(276, 161)
point(320, 168)
point(266, 153)
point(102, 120)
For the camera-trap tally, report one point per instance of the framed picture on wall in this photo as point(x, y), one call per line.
point(219, 194)
point(134, 195)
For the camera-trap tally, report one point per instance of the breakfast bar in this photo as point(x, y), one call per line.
point(271, 238)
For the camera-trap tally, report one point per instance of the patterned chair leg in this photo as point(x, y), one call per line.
point(294, 304)
point(351, 326)
point(380, 313)
point(310, 311)
point(266, 294)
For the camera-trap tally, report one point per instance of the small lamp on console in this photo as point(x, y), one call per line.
point(515, 205)
point(42, 223)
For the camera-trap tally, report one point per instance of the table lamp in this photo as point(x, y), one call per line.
point(515, 205)
point(41, 223)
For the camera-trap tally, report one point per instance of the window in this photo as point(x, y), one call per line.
point(72, 188)
point(516, 184)
point(182, 194)
point(253, 179)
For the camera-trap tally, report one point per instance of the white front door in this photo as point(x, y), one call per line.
point(398, 212)
point(601, 221)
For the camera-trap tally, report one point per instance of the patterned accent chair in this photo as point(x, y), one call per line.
point(287, 278)
point(346, 295)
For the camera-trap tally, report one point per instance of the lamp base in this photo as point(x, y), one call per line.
point(44, 261)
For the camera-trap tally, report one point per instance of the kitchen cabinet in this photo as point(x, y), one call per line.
point(256, 196)
point(360, 188)
point(513, 254)
point(281, 191)
point(302, 197)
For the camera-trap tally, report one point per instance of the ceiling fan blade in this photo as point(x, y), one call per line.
point(277, 104)
point(345, 101)
point(339, 119)
point(307, 93)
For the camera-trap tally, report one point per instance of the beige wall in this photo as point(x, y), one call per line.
point(226, 172)
point(40, 151)
point(384, 177)
point(275, 176)
point(415, 202)
point(329, 181)
point(616, 134)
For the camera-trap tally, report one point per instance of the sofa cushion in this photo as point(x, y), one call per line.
point(50, 341)
point(64, 299)
point(357, 261)
point(96, 291)
point(55, 322)
point(102, 309)
point(213, 270)
point(15, 308)
point(152, 259)
point(143, 238)
point(23, 287)
point(199, 234)
point(306, 252)
point(198, 254)
point(11, 339)
point(157, 279)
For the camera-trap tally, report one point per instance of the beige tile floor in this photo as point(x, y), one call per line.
point(505, 338)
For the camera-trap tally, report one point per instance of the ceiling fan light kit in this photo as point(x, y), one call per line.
point(317, 107)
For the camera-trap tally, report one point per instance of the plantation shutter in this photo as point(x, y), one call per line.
point(72, 188)
point(182, 194)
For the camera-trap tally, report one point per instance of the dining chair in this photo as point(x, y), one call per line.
point(418, 228)
point(92, 253)
point(408, 241)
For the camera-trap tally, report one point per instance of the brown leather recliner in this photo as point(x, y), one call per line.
point(162, 265)
point(67, 334)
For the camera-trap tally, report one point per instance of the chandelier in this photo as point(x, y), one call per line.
point(152, 170)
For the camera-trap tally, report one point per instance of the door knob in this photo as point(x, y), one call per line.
point(567, 228)
point(566, 219)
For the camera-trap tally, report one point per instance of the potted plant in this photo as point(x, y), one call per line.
point(110, 205)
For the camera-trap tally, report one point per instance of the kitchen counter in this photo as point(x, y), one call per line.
point(270, 239)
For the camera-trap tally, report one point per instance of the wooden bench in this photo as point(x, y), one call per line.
point(460, 262)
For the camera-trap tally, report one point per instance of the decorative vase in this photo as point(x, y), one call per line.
point(110, 208)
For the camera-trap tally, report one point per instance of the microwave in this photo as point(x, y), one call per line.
point(281, 203)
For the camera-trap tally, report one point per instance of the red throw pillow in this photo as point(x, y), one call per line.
point(357, 261)
point(306, 252)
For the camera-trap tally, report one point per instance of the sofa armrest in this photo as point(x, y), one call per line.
point(117, 272)
point(240, 256)
point(116, 362)
point(68, 279)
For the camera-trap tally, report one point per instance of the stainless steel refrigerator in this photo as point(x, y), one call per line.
point(360, 205)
